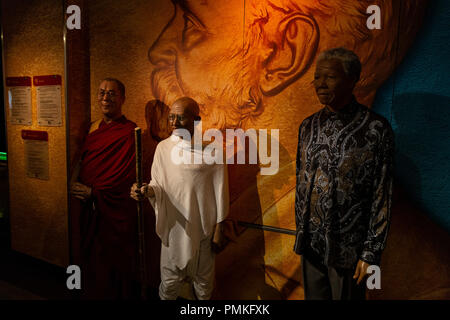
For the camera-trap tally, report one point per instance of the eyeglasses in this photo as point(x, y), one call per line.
point(179, 117)
point(109, 94)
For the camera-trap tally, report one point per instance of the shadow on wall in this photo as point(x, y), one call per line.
point(415, 263)
point(156, 114)
point(423, 151)
point(258, 264)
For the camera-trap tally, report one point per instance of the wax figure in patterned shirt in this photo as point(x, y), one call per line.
point(344, 184)
point(108, 220)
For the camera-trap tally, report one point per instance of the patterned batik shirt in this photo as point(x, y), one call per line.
point(344, 185)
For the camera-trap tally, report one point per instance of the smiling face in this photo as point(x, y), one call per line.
point(110, 100)
point(333, 86)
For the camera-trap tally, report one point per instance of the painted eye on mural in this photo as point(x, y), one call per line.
point(193, 32)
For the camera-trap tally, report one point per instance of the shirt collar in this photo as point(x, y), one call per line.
point(346, 112)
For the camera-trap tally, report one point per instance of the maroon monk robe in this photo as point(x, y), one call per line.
point(108, 221)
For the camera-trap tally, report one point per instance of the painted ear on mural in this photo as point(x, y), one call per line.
point(291, 53)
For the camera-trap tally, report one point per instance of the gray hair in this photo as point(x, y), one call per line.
point(349, 59)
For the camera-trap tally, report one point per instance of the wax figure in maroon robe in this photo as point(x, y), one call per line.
point(108, 219)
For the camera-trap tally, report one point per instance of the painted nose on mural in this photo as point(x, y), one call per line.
point(163, 50)
point(161, 54)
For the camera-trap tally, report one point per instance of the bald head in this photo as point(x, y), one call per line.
point(183, 113)
point(187, 105)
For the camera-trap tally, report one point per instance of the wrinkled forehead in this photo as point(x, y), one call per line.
point(208, 11)
point(109, 86)
point(179, 108)
point(182, 108)
point(329, 65)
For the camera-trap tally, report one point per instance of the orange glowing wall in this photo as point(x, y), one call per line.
point(33, 45)
point(249, 64)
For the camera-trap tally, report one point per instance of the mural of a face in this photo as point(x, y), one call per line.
point(238, 58)
point(199, 55)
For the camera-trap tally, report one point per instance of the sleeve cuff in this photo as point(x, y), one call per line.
point(370, 257)
point(299, 245)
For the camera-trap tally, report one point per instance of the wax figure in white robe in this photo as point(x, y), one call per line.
point(190, 199)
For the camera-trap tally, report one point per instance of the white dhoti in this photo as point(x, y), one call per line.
point(199, 271)
point(190, 199)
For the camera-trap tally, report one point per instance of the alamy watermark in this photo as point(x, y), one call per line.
point(74, 17)
point(259, 143)
point(74, 279)
point(374, 279)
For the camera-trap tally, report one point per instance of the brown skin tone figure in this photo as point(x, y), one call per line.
point(334, 89)
point(183, 113)
point(110, 101)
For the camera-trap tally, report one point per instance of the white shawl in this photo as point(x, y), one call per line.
point(190, 199)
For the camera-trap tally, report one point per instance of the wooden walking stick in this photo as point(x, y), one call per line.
point(140, 215)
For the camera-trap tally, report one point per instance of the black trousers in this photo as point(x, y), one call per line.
point(328, 283)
